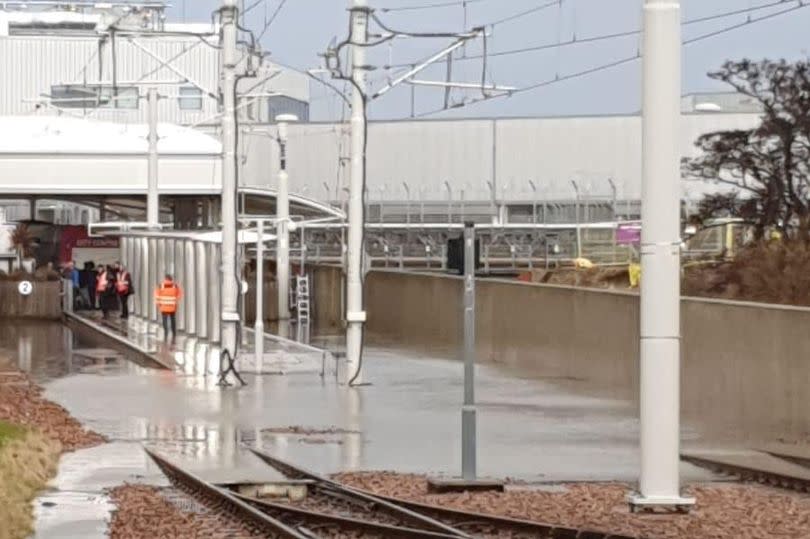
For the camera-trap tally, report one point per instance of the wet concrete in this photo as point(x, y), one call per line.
point(408, 419)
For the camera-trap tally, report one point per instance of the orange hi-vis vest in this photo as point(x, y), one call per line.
point(101, 283)
point(167, 295)
point(122, 285)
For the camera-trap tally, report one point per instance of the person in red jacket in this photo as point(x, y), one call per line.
point(167, 296)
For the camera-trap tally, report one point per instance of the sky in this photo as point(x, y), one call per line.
point(303, 29)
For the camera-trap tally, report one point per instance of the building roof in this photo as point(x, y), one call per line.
point(69, 135)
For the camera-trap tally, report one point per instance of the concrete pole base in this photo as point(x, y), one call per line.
point(640, 503)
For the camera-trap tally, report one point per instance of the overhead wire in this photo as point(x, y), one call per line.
point(435, 5)
point(615, 35)
point(616, 63)
point(272, 18)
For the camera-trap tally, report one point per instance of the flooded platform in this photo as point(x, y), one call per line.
point(408, 419)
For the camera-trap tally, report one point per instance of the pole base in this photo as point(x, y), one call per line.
point(641, 503)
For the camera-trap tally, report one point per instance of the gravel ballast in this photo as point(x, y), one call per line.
point(147, 512)
point(22, 403)
point(723, 510)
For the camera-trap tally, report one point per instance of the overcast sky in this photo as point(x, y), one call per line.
point(304, 28)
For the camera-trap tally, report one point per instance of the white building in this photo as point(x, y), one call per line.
point(476, 164)
point(97, 60)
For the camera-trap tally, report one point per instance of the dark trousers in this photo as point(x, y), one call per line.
point(124, 306)
point(167, 318)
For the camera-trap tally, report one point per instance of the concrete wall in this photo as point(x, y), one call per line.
point(745, 370)
point(44, 303)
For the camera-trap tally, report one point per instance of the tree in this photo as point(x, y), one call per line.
point(765, 168)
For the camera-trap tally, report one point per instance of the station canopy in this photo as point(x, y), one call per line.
point(65, 155)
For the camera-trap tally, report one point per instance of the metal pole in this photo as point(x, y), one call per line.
point(180, 279)
point(282, 227)
point(214, 294)
point(659, 482)
point(258, 325)
point(449, 201)
point(191, 289)
point(408, 203)
point(135, 271)
point(355, 315)
point(230, 287)
point(579, 228)
point(152, 196)
point(468, 412)
point(201, 292)
point(144, 284)
point(534, 201)
point(615, 216)
point(303, 259)
point(154, 278)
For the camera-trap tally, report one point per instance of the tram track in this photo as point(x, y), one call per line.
point(466, 523)
point(326, 513)
point(759, 467)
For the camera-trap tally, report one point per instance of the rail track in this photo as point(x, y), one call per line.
point(219, 499)
point(467, 523)
point(327, 512)
point(764, 468)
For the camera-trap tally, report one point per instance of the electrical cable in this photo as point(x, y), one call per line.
point(615, 35)
point(616, 63)
point(522, 14)
point(436, 5)
point(272, 18)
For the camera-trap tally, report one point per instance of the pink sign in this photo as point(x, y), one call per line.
point(628, 234)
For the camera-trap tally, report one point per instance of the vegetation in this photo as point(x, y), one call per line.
point(23, 241)
point(767, 272)
point(767, 169)
point(27, 460)
point(10, 432)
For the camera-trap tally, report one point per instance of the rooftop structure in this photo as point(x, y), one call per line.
point(96, 59)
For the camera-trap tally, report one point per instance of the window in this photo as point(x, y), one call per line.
point(190, 98)
point(287, 105)
point(75, 96)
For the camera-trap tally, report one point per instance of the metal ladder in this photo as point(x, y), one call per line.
point(302, 298)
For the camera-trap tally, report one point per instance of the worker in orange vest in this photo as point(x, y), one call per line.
point(167, 296)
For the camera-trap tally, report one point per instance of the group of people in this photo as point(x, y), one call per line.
point(109, 287)
point(106, 287)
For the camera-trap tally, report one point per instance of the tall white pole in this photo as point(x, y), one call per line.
point(355, 315)
point(283, 227)
point(659, 482)
point(230, 287)
point(258, 325)
point(152, 201)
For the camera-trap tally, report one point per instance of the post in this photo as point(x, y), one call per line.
point(355, 314)
point(146, 287)
point(180, 279)
point(153, 281)
point(283, 223)
point(201, 290)
point(659, 377)
point(579, 228)
point(152, 196)
point(468, 419)
point(449, 201)
point(190, 287)
point(214, 294)
point(258, 325)
point(230, 287)
point(303, 259)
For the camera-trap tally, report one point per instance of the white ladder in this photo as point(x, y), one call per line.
point(302, 298)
